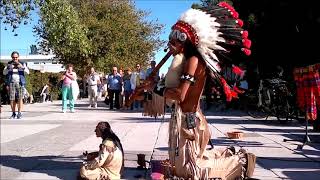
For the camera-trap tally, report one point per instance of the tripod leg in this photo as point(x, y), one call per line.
point(306, 138)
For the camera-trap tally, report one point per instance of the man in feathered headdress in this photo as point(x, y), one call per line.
point(200, 42)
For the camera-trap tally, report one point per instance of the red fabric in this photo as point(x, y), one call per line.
point(308, 89)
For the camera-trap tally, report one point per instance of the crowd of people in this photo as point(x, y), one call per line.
point(198, 54)
point(117, 86)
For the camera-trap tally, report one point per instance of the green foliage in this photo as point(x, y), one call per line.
point(36, 80)
point(16, 12)
point(97, 33)
point(119, 34)
point(61, 30)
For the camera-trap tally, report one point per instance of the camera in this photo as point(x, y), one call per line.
point(15, 65)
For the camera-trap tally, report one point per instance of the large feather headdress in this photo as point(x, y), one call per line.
point(215, 31)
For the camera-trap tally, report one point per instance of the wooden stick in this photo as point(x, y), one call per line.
point(137, 92)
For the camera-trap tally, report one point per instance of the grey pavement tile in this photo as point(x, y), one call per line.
point(55, 153)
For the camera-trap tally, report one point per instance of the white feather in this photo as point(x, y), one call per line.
point(207, 32)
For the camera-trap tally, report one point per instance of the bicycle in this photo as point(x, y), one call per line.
point(271, 99)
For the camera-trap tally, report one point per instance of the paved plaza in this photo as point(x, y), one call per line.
point(48, 144)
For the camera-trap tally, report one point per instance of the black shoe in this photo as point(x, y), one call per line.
point(19, 116)
point(13, 116)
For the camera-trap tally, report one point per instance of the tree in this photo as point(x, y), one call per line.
point(16, 12)
point(61, 31)
point(119, 34)
point(98, 33)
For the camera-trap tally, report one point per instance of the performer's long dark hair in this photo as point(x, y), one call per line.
point(191, 50)
point(108, 134)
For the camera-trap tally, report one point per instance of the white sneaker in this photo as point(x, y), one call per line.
point(64, 111)
point(72, 110)
point(89, 106)
point(95, 106)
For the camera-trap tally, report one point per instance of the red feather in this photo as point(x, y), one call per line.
point(246, 51)
point(235, 14)
point(246, 43)
point(228, 91)
point(240, 22)
point(236, 89)
point(237, 70)
point(245, 34)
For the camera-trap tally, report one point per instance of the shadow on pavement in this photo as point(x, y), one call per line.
point(50, 165)
point(291, 168)
point(57, 166)
point(290, 163)
point(294, 175)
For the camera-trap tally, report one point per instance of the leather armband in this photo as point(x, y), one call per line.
point(188, 77)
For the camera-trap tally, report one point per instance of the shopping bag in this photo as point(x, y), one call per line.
point(75, 89)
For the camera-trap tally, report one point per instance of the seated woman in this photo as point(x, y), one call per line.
point(108, 162)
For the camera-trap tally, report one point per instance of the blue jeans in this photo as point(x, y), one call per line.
point(137, 104)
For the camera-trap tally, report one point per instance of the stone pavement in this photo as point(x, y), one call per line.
point(47, 144)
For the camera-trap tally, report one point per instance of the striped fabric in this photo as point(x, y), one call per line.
point(308, 89)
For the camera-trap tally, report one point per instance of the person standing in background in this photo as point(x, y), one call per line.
point(67, 78)
point(115, 87)
point(16, 81)
point(127, 86)
point(44, 92)
point(93, 80)
point(121, 96)
point(136, 79)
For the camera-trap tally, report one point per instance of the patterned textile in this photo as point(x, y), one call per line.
point(154, 107)
point(15, 91)
point(308, 89)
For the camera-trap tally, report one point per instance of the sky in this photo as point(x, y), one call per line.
point(167, 12)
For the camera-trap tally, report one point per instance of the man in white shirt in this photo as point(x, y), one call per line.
point(15, 81)
point(93, 79)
